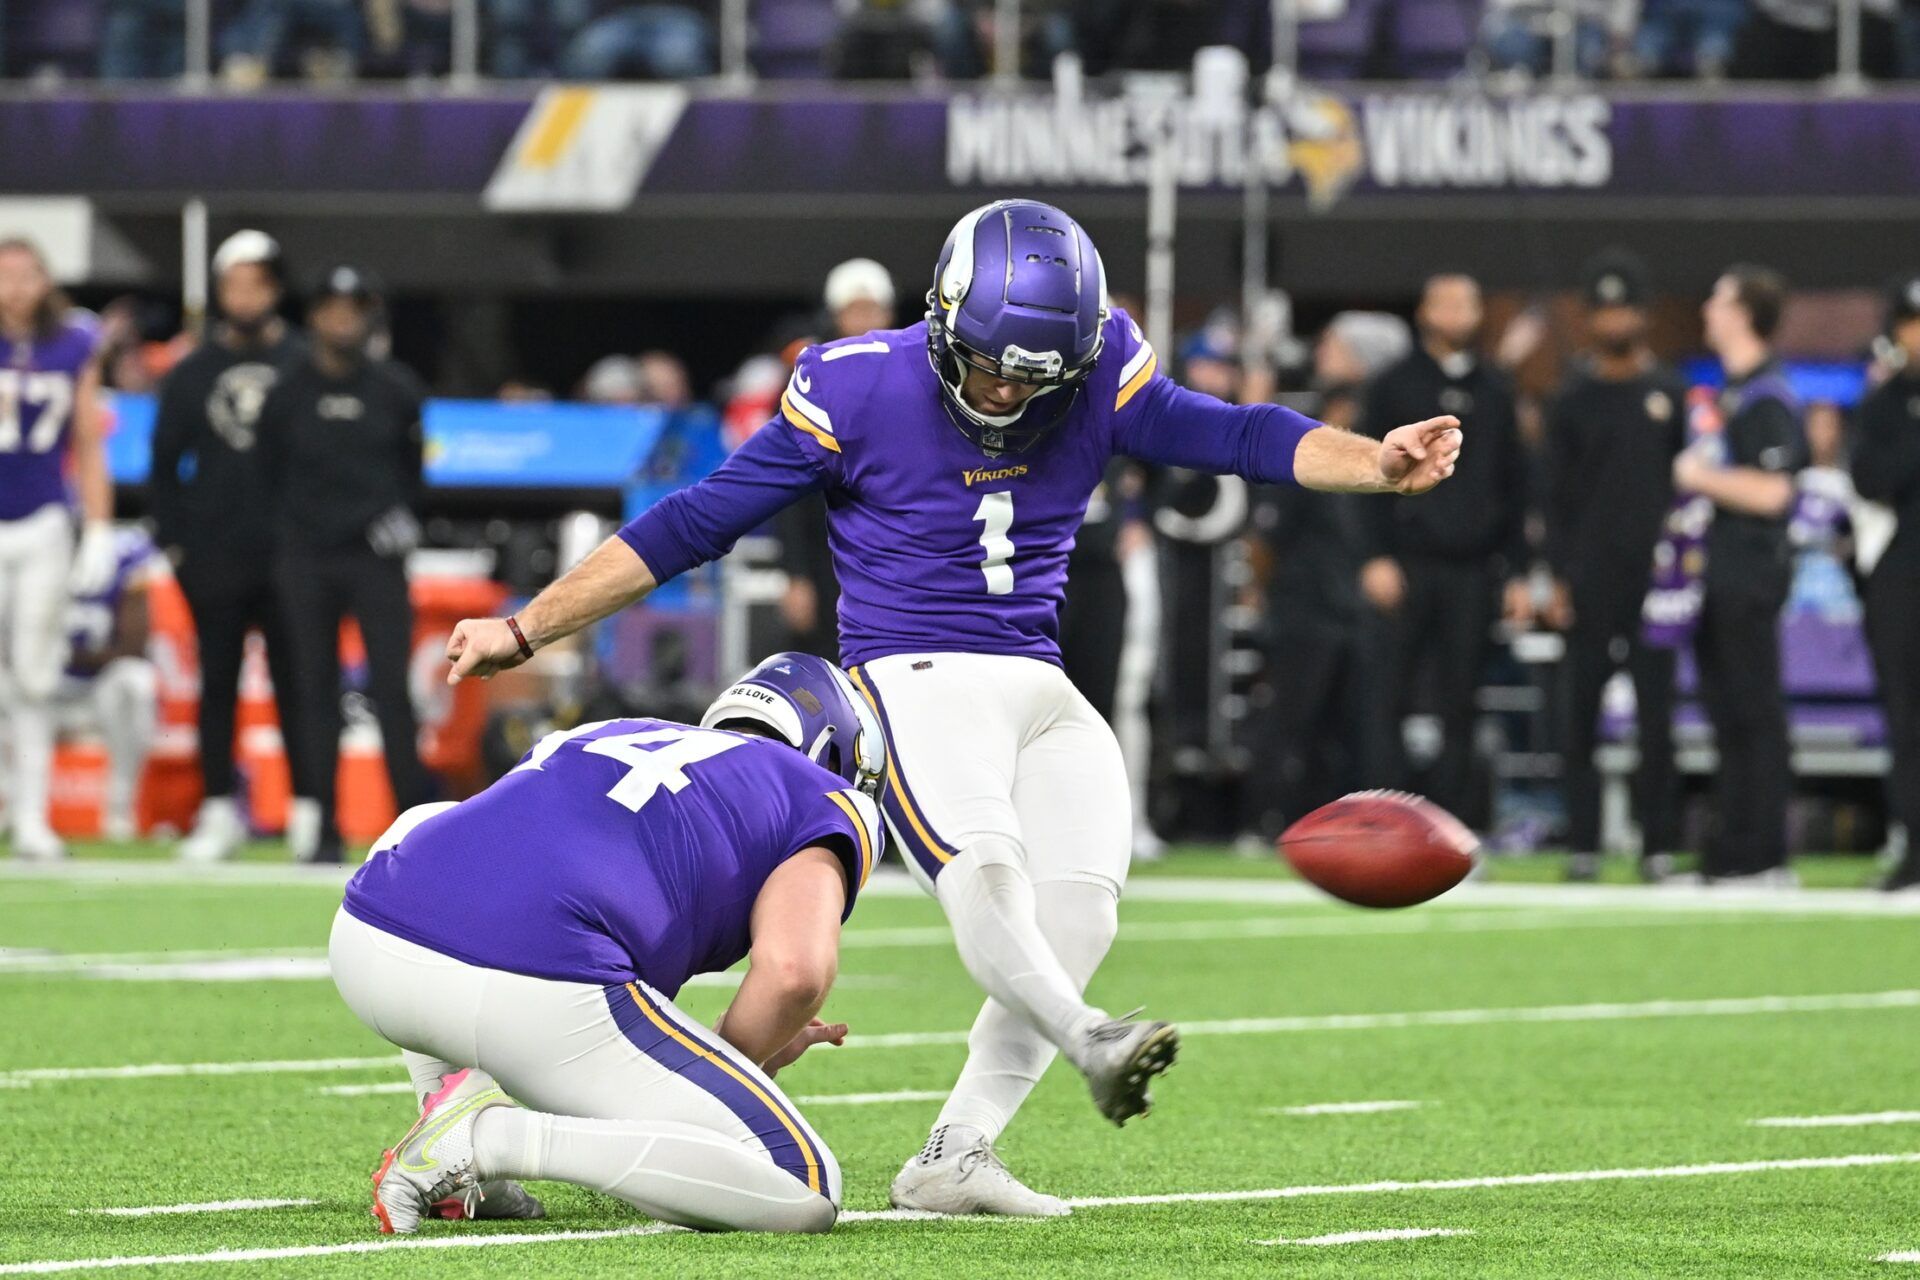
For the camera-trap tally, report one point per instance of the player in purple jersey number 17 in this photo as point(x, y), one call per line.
point(615, 862)
point(50, 429)
point(959, 455)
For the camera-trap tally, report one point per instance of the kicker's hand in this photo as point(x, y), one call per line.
point(480, 647)
point(815, 1032)
point(1414, 459)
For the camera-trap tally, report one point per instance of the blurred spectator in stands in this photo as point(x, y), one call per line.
point(1797, 40)
point(1434, 569)
point(1612, 434)
point(1747, 446)
point(1142, 35)
point(612, 380)
point(1687, 37)
point(320, 39)
point(1523, 35)
point(881, 40)
point(633, 41)
point(143, 40)
point(1886, 468)
point(1303, 549)
point(663, 380)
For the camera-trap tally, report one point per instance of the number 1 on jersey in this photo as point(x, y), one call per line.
point(996, 510)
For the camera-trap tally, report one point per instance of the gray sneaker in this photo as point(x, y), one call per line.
point(435, 1158)
point(959, 1172)
point(1120, 1058)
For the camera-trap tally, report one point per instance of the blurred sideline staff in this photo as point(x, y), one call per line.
point(214, 517)
point(1886, 468)
point(343, 440)
point(1744, 462)
point(1303, 551)
point(1432, 566)
point(1612, 435)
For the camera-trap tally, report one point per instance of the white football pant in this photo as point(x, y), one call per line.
point(36, 554)
point(1007, 795)
point(622, 1092)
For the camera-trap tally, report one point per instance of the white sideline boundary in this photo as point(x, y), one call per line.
point(1717, 1169)
point(1344, 1108)
point(1368, 1237)
point(1150, 888)
point(204, 1206)
point(1837, 1122)
point(1735, 1006)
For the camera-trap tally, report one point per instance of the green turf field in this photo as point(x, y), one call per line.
point(1586, 1066)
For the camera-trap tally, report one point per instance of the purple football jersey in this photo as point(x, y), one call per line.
point(936, 546)
point(621, 850)
point(90, 618)
point(38, 381)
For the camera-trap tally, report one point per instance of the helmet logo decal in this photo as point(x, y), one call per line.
point(1030, 366)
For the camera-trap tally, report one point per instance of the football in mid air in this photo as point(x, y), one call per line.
point(1380, 849)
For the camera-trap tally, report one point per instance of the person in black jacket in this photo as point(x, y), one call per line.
point(213, 517)
point(1612, 434)
point(1748, 473)
point(344, 451)
point(1434, 566)
point(1886, 468)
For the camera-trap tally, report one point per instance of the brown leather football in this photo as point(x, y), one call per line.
point(1380, 849)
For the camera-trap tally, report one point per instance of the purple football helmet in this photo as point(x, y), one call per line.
point(809, 704)
point(1020, 295)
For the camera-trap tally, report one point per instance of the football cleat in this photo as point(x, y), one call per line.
point(36, 842)
point(490, 1201)
point(958, 1172)
point(1120, 1057)
point(434, 1161)
point(217, 834)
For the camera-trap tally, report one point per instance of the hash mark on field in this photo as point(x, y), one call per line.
point(1728, 1007)
point(205, 1206)
point(1904, 1255)
point(910, 1215)
point(1343, 1108)
point(1837, 1122)
point(1365, 1237)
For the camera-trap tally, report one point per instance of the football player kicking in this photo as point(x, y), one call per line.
point(957, 457)
point(529, 942)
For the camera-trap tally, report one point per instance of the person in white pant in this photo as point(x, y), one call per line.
point(958, 456)
point(50, 427)
point(529, 942)
point(110, 687)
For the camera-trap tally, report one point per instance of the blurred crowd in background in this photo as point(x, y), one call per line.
point(256, 41)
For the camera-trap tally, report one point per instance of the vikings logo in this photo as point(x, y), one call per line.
point(1326, 147)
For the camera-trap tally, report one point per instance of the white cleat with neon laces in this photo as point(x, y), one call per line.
point(434, 1161)
point(958, 1172)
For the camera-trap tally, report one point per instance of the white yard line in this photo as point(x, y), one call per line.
point(1367, 1237)
point(1736, 1006)
point(1837, 1122)
point(805, 1100)
point(1721, 1169)
point(1904, 1255)
point(1343, 1108)
point(205, 1206)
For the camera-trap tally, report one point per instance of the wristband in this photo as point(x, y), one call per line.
point(513, 625)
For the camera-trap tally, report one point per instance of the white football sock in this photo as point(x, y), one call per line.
point(126, 699)
point(990, 903)
point(1005, 1055)
point(676, 1172)
point(32, 763)
point(426, 1073)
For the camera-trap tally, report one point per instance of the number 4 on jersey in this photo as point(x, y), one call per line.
point(648, 770)
point(996, 510)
